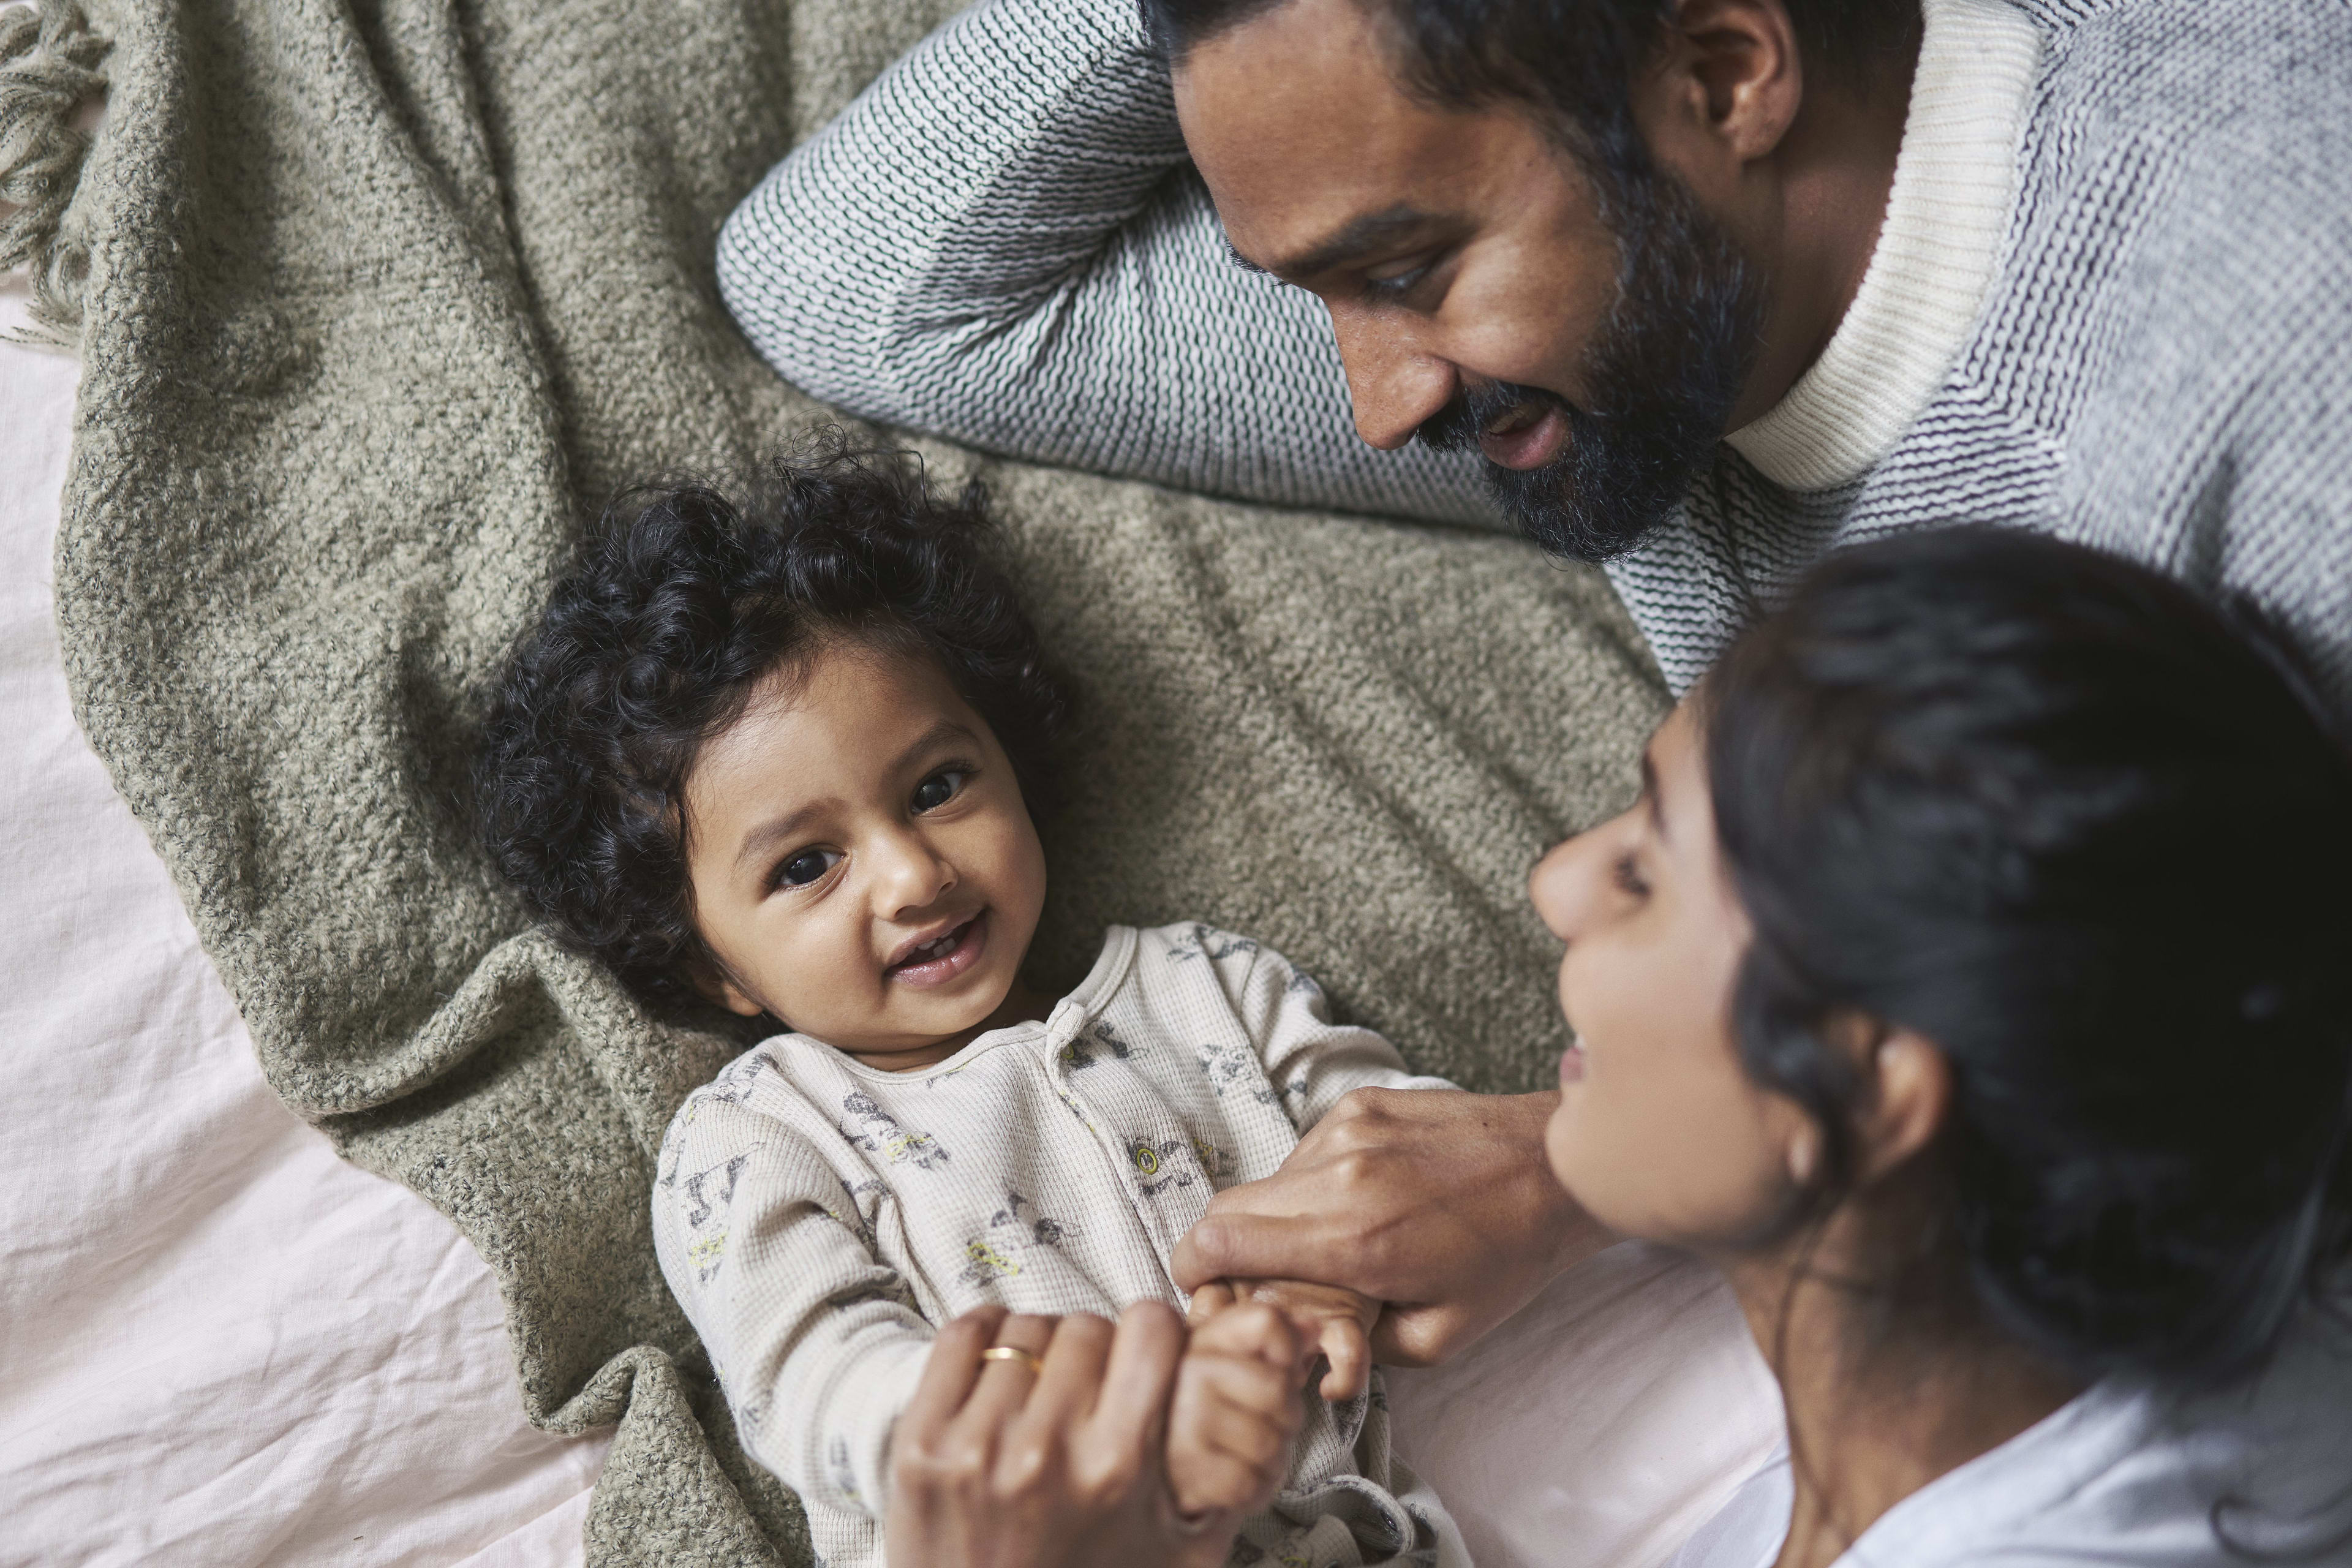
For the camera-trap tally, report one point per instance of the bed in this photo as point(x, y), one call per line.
point(225, 1345)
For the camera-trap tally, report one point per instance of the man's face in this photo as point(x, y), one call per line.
point(1478, 292)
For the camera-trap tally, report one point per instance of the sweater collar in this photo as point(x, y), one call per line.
point(1956, 178)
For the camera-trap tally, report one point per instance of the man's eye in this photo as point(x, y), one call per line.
point(939, 789)
point(1397, 285)
point(805, 866)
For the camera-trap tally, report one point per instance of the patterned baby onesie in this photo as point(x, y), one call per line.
point(818, 1218)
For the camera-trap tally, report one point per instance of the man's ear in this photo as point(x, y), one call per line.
point(1906, 1103)
point(713, 983)
point(1724, 88)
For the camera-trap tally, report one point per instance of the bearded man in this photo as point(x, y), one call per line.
point(1693, 289)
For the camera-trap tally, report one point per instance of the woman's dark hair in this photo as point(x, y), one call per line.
point(2090, 834)
point(682, 600)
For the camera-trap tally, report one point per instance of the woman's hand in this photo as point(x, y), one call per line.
point(995, 1465)
point(1440, 1205)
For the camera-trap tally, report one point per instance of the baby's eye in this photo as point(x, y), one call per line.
point(939, 789)
point(806, 866)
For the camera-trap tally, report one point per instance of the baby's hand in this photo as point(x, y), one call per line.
point(1334, 1320)
point(1235, 1411)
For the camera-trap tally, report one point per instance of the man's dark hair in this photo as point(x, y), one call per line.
point(684, 599)
point(2090, 834)
point(1574, 61)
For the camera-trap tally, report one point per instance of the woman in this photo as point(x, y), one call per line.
point(1972, 984)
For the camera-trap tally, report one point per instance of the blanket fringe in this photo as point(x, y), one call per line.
point(48, 65)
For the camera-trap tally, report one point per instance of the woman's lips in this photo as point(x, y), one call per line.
point(1572, 1064)
point(964, 946)
point(1528, 437)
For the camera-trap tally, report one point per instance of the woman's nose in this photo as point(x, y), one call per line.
point(1570, 885)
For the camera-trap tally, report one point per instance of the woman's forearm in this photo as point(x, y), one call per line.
point(1438, 1203)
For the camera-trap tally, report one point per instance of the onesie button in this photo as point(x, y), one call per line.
point(1147, 1158)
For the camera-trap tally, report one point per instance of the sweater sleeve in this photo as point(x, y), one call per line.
point(1311, 1061)
point(1001, 241)
point(816, 1342)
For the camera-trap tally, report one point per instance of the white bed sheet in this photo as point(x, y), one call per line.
point(225, 1346)
point(1603, 1424)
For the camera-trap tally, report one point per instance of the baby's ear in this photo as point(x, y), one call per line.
point(714, 984)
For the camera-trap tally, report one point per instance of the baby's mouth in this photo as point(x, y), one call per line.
point(942, 957)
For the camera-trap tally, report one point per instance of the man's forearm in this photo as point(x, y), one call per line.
point(966, 184)
point(1001, 241)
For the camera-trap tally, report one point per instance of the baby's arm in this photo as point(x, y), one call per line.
point(1234, 1413)
point(1312, 1063)
point(816, 1342)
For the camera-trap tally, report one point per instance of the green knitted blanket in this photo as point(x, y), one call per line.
point(377, 301)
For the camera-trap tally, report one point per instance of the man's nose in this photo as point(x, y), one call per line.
point(1395, 385)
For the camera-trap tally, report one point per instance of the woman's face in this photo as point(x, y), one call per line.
point(1659, 1133)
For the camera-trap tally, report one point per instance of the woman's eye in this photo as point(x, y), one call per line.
point(805, 866)
point(939, 789)
point(1628, 877)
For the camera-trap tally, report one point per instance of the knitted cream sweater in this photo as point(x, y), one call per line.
point(2112, 299)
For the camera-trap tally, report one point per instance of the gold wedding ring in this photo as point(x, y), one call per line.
point(1013, 1353)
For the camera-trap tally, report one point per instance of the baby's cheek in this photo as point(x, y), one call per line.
point(820, 990)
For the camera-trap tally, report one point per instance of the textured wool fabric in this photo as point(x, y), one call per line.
point(49, 63)
point(820, 1218)
point(1002, 242)
point(383, 302)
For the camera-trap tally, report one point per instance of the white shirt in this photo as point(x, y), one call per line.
point(817, 1218)
point(2128, 1475)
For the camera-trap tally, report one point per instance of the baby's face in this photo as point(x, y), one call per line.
point(862, 863)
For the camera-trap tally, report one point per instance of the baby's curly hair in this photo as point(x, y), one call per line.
point(682, 600)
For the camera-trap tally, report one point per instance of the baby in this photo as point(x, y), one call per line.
point(781, 757)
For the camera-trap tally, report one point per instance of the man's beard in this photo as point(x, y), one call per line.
point(1662, 378)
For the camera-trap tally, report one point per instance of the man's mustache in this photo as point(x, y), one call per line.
point(1457, 426)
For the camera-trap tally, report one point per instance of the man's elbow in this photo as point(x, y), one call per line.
point(758, 278)
point(773, 286)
